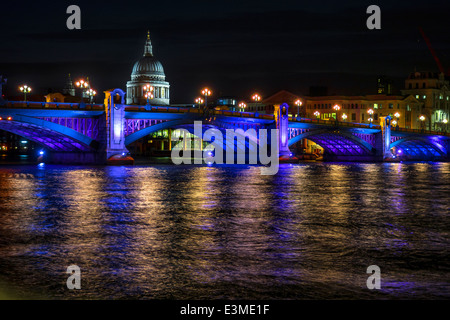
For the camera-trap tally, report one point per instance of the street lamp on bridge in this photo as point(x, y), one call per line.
point(199, 101)
point(370, 112)
point(149, 93)
point(242, 106)
point(82, 85)
point(422, 122)
point(317, 114)
point(396, 122)
point(298, 103)
point(344, 116)
point(25, 89)
point(337, 107)
point(445, 121)
point(206, 92)
point(91, 93)
point(256, 97)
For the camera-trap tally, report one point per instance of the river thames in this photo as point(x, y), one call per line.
point(162, 231)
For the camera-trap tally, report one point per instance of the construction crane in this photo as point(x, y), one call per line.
point(433, 53)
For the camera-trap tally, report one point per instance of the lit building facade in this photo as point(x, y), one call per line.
point(356, 108)
point(148, 71)
point(432, 89)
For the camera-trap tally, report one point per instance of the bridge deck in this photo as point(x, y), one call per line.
point(31, 105)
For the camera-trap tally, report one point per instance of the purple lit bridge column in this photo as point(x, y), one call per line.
point(282, 124)
point(116, 150)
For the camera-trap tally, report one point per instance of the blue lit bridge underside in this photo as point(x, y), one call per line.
point(74, 133)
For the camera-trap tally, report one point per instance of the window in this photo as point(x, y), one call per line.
point(353, 116)
point(375, 116)
point(375, 105)
point(417, 96)
point(362, 117)
point(424, 85)
point(408, 108)
point(410, 86)
point(424, 97)
point(391, 106)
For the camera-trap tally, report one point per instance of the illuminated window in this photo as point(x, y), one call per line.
point(375, 105)
point(417, 96)
point(424, 97)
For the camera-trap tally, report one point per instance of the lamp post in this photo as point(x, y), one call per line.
point(91, 93)
point(257, 98)
point(445, 121)
point(298, 103)
point(199, 101)
point(370, 112)
point(317, 114)
point(25, 89)
point(242, 106)
point(206, 92)
point(397, 119)
point(422, 122)
point(344, 116)
point(337, 107)
point(149, 93)
point(82, 85)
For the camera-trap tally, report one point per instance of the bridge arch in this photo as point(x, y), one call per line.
point(336, 143)
point(50, 135)
point(188, 124)
point(415, 146)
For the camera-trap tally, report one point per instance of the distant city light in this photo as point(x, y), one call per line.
point(41, 153)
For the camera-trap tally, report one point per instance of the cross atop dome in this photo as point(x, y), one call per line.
point(148, 51)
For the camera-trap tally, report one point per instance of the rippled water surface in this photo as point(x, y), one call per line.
point(197, 232)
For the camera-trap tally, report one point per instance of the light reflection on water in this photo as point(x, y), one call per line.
point(202, 232)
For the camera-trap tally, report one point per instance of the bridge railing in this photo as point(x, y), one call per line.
point(334, 123)
point(432, 132)
point(52, 105)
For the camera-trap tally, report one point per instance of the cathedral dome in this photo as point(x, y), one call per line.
point(148, 71)
point(148, 66)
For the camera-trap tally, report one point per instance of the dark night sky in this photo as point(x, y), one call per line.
point(234, 47)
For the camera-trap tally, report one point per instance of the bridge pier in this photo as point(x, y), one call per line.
point(116, 151)
point(282, 124)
